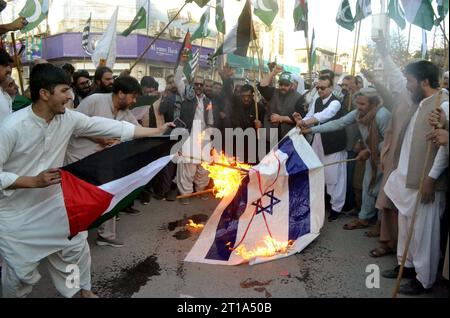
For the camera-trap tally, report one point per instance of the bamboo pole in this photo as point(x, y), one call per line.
point(336, 50)
point(338, 162)
point(157, 37)
point(356, 49)
point(409, 38)
point(18, 62)
point(194, 194)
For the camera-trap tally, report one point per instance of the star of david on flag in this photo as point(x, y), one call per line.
point(282, 197)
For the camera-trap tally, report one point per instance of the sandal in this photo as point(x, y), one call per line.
point(381, 251)
point(355, 224)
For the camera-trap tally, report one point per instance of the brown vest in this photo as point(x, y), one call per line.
point(419, 145)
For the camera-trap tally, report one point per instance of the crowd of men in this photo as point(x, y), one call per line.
point(372, 139)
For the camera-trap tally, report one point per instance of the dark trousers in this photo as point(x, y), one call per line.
point(163, 181)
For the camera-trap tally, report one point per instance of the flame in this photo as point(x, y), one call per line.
point(226, 180)
point(193, 225)
point(271, 248)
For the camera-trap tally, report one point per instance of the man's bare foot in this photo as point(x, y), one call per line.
point(87, 294)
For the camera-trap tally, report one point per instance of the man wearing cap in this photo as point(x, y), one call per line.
point(283, 101)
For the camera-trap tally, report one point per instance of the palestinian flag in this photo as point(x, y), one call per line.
point(238, 40)
point(97, 187)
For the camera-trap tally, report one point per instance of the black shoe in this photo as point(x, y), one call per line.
point(333, 215)
point(413, 287)
point(131, 211)
point(158, 196)
point(408, 272)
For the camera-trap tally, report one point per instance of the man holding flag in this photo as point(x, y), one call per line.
point(33, 217)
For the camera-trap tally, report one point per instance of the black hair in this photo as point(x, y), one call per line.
point(100, 71)
point(80, 73)
point(46, 76)
point(246, 88)
point(326, 78)
point(126, 85)
point(424, 70)
point(5, 58)
point(349, 78)
point(328, 72)
point(169, 77)
point(69, 68)
point(150, 82)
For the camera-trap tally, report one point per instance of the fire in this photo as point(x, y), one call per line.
point(226, 180)
point(271, 248)
point(194, 225)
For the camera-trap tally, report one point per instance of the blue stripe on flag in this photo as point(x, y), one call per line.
point(228, 225)
point(299, 205)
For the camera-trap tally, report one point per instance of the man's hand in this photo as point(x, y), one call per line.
point(275, 119)
point(226, 72)
point(167, 126)
point(298, 119)
point(47, 178)
point(437, 118)
point(305, 130)
point(258, 124)
point(363, 155)
point(18, 24)
point(439, 137)
point(428, 190)
point(278, 69)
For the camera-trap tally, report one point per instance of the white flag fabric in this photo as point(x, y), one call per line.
point(282, 197)
point(106, 48)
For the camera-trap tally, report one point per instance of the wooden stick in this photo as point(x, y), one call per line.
point(218, 164)
point(156, 38)
point(338, 162)
point(194, 194)
point(356, 49)
point(413, 220)
point(336, 50)
point(18, 62)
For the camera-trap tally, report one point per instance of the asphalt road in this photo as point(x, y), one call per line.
point(151, 264)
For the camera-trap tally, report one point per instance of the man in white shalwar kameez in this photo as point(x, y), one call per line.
point(419, 84)
point(329, 148)
point(33, 220)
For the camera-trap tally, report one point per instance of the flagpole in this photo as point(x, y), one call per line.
point(336, 50)
point(356, 49)
point(18, 62)
point(255, 48)
point(157, 37)
point(148, 24)
point(308, 54)
point(199, 58)
point(409, 38)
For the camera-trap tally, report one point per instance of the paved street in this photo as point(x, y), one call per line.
point(151, 264)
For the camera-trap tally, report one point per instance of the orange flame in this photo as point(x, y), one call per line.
point(194, 225)
point(271, 248)
point(226, 180)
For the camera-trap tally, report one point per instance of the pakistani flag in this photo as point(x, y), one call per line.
point(313, 55)
point(301, 15)
point(363, 10)
point(35, 11)
point(238, 40)
point(396, 13)
point(97, 187)
point(265, 10)
point(202, 30)
point(220, 16)
point(139, 21)
point(200, 3)
point(344, 16)
point(419, 12)
point(106, 49)
point(442, 8)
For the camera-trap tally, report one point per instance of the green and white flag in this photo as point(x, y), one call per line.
point(363, 10)
point(202, 30)
point(419, 12)
point(344, 16)
point(139, 21)
point(442, 8)
point(220, 16)
point(200, 3)
point(35, 11)
point(265, 10)
point(191, 65)
point(106, 49)
point(301, 15)
point(396, 13)
point(313, 55)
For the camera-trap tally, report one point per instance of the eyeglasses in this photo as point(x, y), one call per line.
point(322, 88)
